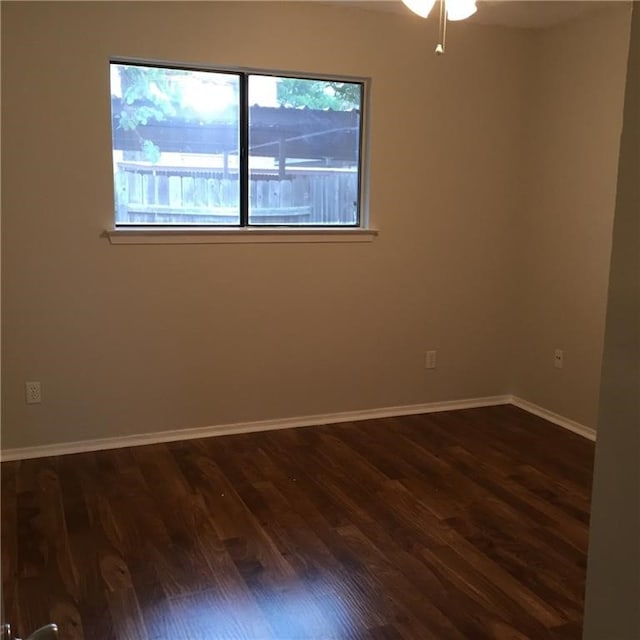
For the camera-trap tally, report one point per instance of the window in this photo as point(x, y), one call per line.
point(205, 148)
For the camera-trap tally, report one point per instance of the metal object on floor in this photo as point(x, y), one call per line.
point(49, 632)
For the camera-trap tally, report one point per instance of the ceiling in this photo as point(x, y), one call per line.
point(533, 14)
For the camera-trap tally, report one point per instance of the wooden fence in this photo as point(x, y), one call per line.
point(149, 194)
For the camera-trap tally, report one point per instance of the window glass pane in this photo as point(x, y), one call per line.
point(304, 151)
point(175, 146)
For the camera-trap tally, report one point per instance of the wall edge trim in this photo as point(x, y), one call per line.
point(566, 423)
point(158, 437)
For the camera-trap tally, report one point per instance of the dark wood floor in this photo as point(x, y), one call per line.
point(459, 525)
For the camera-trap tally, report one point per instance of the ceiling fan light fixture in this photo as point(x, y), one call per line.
point(460, 9)
point(421, 7)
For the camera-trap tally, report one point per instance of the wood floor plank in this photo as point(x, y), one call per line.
point(401, 519)
point(460, 525)
point(9, 538)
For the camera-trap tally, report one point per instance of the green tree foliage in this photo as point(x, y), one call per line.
point(150, 94)
point(318, 94)
point(147, 95)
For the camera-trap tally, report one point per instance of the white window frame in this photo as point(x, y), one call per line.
point(362, 232)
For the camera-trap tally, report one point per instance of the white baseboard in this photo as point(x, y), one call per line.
point(561, 421)
point(119, 442)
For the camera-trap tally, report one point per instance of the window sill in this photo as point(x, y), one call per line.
point(200, 235)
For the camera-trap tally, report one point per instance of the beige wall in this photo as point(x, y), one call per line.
point(613, 585)
point(564, 228)
point(492, 183)
point(130, 339)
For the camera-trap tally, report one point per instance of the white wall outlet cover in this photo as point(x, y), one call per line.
point(32, 392)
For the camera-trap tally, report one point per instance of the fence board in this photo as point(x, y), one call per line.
point(285, 194)
point(200, 191)
point(274, 194)
point(175, 191)
point(180, 195)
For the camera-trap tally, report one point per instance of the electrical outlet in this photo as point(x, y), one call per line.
point(430, 360)
point(32, 392)
point(558, 358)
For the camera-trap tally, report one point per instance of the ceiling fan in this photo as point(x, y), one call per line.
point(449, 10)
